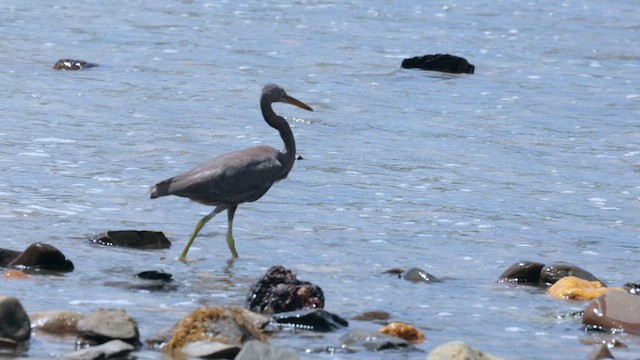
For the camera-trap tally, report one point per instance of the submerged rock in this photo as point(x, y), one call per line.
point(439, 62)
point(403, 331)
point(371, 340)
point(372, 316)
point(599, 352)
point(41, 256)
point(7, 256)
point(258, 350)
point(108, 324)
point(458, 350)
point(419, 275)
point(616, 310)
point(109, 350)
point(14, 321)
point(139, 239)
point(314, 320)
point(70, 64)
point(58, 323)
point(523, 272)
point(210, 350)
point(228, 325)
point(279, 291)
point(556, 271)
point(574, 288)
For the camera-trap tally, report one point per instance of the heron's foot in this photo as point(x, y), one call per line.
point(232, 246)
point(183, 259)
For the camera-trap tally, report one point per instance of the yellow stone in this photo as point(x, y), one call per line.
point(403, 331)
point(574, 288)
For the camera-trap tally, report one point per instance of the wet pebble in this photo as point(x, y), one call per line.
point(419, 275)
point(556, 271)
point(523, 272)
point(616, 310)
point(138, 239)
point(42, 257)
point(574, 288)
point(106, 325)
point(403, 331)
point(259, 350)
point(371, 340)
point(280, 291)
point(71, 64)
point(372, 316)
point(109, 350)
point(313, 320)
point(459, 350)
point(14, 321)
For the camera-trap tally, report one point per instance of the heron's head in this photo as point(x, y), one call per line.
point(274, 93)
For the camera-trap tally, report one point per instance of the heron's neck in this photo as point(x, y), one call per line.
point(280, 124)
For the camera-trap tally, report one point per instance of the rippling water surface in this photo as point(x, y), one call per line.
point(536, 156)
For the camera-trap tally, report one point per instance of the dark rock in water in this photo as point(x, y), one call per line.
point(147, 240)
point(258, 350)
point(279, 290)
point(228, 325)
point(114, 349)
point(40, 256)
point(599, 352)
point(154, 275)
point(523, 272)
point(615, 310)
point(556, 271)
point(314, 320)
point(14, 321)
point(58, 323)
point(70, 64)
point(372, 315)
point(439, 62)
point(371, 340)
point(106, 325)
point(419, 275)
point(210, 350)
point(7, 256)
point(632, 288)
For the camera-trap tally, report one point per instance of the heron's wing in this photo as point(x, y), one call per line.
point(233, 178)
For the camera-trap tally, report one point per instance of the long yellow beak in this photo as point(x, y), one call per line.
point(298, 103)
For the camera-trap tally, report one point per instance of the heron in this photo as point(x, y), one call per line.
point(240, 176)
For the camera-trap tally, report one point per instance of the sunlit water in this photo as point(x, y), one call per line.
point(536, 156)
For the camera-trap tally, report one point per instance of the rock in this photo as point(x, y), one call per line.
point(574, 288)
point(616, 310)
point(371, 340)
point(372, 316)
point(158, 340)
point(8, 343)
point(7, 256)
point(15, 274)
point(313, 320)
point(59, 323)
point(147, 240)
point(599, 352)
point(108, 350)
point(41, 256)
point(419, 275)
point(279, 291)
point(108, 324)
point(439, 62)
point(632, 288)
point(210, 350)
point(394, 271)
point(523, 272)
point(228, 325)
point(403, 331)
point(258, 350)
point(458, 350)
point(70, 64)
point(14, 321)
point(556, 271)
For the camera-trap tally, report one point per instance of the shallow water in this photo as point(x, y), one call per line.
point(536, 156)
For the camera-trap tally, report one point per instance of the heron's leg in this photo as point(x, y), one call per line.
point(196, 230)
point(231, 211)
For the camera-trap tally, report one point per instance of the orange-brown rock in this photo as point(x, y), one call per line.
point(574, 288)
point(14, 274)
point(403, 331)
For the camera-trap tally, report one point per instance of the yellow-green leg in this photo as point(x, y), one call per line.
point(231, 211)
point(196, 230)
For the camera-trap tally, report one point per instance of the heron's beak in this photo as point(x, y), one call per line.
point(296, 102)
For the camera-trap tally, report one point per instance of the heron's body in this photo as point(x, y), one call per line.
point(240, 176)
